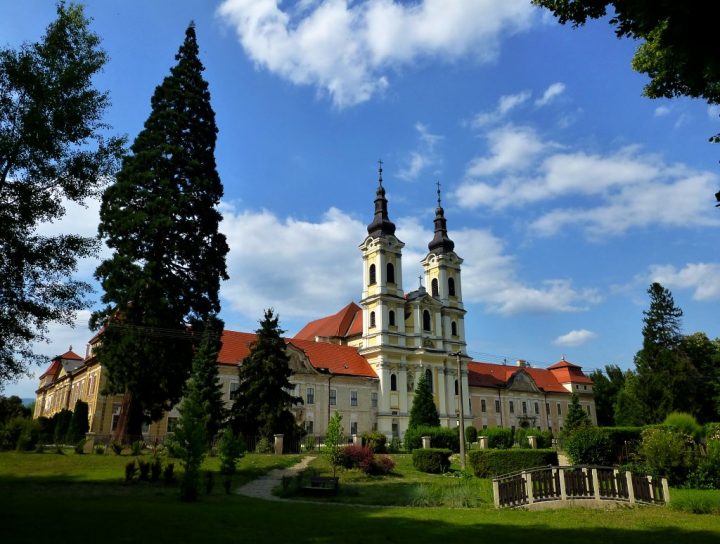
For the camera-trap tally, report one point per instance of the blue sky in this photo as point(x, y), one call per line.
point(566, 191)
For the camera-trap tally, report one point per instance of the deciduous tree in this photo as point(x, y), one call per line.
point(160, 218)
point(606, 386)
point(52, 152)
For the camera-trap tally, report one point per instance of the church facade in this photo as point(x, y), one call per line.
point(365, 360)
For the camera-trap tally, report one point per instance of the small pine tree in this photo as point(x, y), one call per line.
point(79, 423)
point(207, 378)
point(333, 440)
point(576, 416)
point(262, 405)
point(423, 412)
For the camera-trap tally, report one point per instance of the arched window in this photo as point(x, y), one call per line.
point(393, 382)
point(390, 273)
point(391, 318)
point(372, 274)
point(456, 387)
point(451, 287)
point(372, 319)
point(426, 320)
point(434, 288)
point(453, 328)
point(428, 379)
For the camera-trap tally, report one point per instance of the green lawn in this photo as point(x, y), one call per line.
point(53, 498)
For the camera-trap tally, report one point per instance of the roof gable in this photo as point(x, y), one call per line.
point(346, 322)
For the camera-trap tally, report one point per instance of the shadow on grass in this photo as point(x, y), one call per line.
point(65, 513)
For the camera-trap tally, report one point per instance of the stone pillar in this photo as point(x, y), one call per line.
point(528, 486)
point(532, 440)
point(483, 440)
point(652, 487)
point(496, 493)
point(279, 444)
point(89, 445)
point(425, 442)
point(666, 490)
point(596, 483)
point(563, 492)
point(631, 491)
point(356, 440)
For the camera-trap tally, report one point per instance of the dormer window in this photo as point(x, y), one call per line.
point(434, 288)
point(372, 274)
point(451, 287)
point(390, 273)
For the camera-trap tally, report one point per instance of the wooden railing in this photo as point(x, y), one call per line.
point(578, 483)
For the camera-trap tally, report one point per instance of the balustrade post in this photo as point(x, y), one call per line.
point(528, 486)
point(596, 483)
point(652, 488)
point(563, 493)
point(631, 490)
point(496, 493)
point(666, 490)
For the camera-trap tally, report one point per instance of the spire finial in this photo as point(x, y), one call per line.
point(380, 163)
point(420, 281)
point(438, 192)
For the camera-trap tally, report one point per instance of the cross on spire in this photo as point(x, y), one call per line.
point(380, 163)
point(438, 192)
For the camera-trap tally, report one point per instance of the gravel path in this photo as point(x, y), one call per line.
point(263, 486)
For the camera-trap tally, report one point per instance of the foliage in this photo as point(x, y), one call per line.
point(333, 439)
point(99, 449)
point(607, 385)
point(144, 470)
point(706, 474)
point(263, 403)
point(432, 460)
point(52, 151)
point(589, 446)
point(423, 411)
point(79, 446)
point(395, 445)
point(19, 433)
point(375, 441)
point(160, 218)
point(230, 449)
point(624, 441)
point(684, 423)
point(440, 437)
point(629, 410)
point(61, 424)
point(130, 471)
point(471, 434)
point(499, 438)
point(363, 458)
point(11, 407)
point(695, 501)
point(489, 463)
point(136, 448)
point(264, 445)
point(116, 447)
point(544, 438)
point(576, 416)
point(205, 371)
point(704, 356)
point(520, 437)
point(79, 423)
point(668, 452)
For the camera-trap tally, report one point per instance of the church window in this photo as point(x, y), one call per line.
point(426, 320)
point(428, 378)
point(451, 287)
point(497, 406)
point(393, 382)
point(333, 397)
point(483, 406)
point(310, 395)
point(524, 407)
point(453, 328)
point(456, 387)
point(372, 319)
point(390, 273)
point(512, 407)
point(372, 274)
point(391, 318)
point(434, 287)
point(353, 398)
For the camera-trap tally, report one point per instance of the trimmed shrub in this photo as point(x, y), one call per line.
point(169, 473)
point(230, 449)
point(375, 441)
point(144, 467)
point(355, 456)
point(499, 438)
point(136, 448)
point(78, 425)
point(684, 423)
point(471, 434)
point(432, 460)
point(99, 449)
point(489, 463)
point(130, 471)
point(395, 445)
point(544, 438)
point(589, 446)
point(382, 465)
point(61, 425)
point(520, 438)
point(264, 446)
point(440, 437)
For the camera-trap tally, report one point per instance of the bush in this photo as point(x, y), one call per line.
point(80, 446)
point(684, 423)
point(395, 445)
point(712, 431)
point(624, 442)
point(471, 434)
point(499, 438)
point(78, 425)
point(489, 463)
point(354, 456)
point(263, 446)
point(116, 447)
point(589, 446)
point(155, 470)
point(544, 438)
point(309, 443)
point(230, 449)
point(130, 471)
point(144, 467)
point(21, 433)
point(100, 449)
point(440, 437)
point(136, 448)
point(375, 441)
point(432, 460)
point(520, 438)
point(668, 452)
point(382, 465)
point(169, 473)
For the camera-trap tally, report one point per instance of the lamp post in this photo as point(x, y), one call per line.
point(462, 409)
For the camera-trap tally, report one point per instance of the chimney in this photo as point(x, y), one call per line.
point(522, 363)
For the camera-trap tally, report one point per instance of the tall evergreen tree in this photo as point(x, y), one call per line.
point(206, 376)
point(52, 151)
point(79, 423)
point(606, 386)
point(160, 217)
point(666, 379)
point(576, 416)
point(423, 411)
point(263, 402)
point(704, 355)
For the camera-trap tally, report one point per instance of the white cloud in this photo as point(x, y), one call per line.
point(511, 149)
point(423, 157)
point(506, 104)
point(346, 49)
point(575, 338)
point(662, 111)
point(702, 278)
point(550, 94)
point(713, 111)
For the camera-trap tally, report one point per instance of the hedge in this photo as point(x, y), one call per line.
point(489, 463)
point(589, 446)
point(624, 441)
point(440, 437)
point(433, 460)
point(498, 437)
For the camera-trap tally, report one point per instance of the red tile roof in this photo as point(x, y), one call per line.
point(565, 372)
point(347, 322)
point(337, 359)
point(494, 375)
point(54, 368)
point(55, 365)
point(70, 355)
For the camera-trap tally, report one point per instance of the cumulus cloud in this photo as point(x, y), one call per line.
point(702, 278)
point(575, 338)
point(423, 157)
point(347, 49)
point(550, 94)
point(505, 105)
point(713, 111)
point(662, 111)
point(610, 192)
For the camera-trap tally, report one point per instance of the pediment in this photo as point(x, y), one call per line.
point(299, 362)
point(522, 381)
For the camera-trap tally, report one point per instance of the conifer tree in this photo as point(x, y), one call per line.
point(576, 416)
point(423, 412)
point(205, 374)
point(263, 403)
point(79, 423)
point(160, 217)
